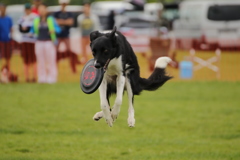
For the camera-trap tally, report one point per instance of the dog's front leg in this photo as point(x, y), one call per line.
point(104, 103)
point(131, 119)
point(118, 101)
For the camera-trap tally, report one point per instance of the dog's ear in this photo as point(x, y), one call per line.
point(112, 35)
point(94, 35)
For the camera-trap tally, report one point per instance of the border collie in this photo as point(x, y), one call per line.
point(112, 52)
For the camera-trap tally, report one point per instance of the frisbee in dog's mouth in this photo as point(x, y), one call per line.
point(91, 77)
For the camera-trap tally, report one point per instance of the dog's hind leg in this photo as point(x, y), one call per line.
point(104, 103)
point(131, 119)
point(98, 116)
point(118, 101)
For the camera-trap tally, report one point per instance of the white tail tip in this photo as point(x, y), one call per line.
point(162, 62)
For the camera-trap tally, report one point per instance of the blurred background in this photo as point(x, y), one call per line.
point(194, 116)
point(202, 37)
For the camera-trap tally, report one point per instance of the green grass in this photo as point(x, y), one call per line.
point(181, 121)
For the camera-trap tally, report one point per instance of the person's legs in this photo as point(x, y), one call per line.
point(33, 60)
point(41, 64)
point(5, 50)
point(72, 56)
point(1, 52)
point(34, 72)
point(8, 53)
point(24, 49)
point(59, 54)
point(85, 42)
point(26, 72)
point(51, 62)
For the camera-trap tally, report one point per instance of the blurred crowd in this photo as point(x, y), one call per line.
point(42, 35)
point(41, 31)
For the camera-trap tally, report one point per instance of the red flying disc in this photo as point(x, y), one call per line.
point(91, 77)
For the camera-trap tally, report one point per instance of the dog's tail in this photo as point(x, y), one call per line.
point(158, 77)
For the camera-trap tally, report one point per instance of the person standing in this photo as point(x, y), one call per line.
point(28, 43)
point(36, 4)
point(5, 34)
point(65, 20)
point(87, 22)
point(45, 29)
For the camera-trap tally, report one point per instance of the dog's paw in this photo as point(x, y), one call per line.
point(109, 121)
point(115, 113)
point(114, 116)
point(131, 122)
point(98, 116)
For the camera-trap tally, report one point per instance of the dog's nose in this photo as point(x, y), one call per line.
point(97, 65)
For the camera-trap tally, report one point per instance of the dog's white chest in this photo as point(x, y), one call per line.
point(115, 67)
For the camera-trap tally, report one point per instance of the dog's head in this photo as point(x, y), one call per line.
point(103, 46)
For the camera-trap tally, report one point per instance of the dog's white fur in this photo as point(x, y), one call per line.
point(115, 68)
point(162, 62)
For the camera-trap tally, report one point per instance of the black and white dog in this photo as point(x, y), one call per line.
point(113, 52)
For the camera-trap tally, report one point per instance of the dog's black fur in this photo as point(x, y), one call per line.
point(113, 45)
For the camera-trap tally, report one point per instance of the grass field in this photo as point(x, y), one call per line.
point(181, 121)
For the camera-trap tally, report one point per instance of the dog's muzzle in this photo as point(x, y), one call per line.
point(98, 65)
